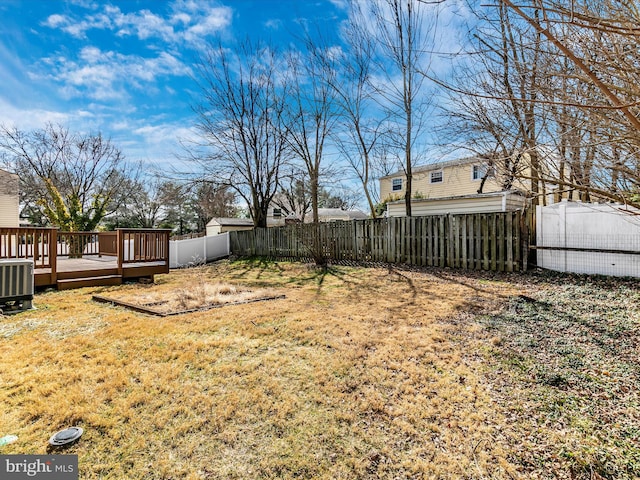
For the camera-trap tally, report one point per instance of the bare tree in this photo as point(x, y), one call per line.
point(241, 122)
point(567, 75)
point(401, 29)
point(597, 44)
point(493, 107)
point(294, 198)
point(312, 111)
point(361, 125)
point(71, 178)
point(183, 206)
point(210, 200)
point(138, 206)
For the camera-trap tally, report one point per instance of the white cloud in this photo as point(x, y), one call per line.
point(188, 22)
point(85, 4)
point(159, 133)
point(121, 125)
point(54, 21)
point(147, 25)
point(91, 54)
point(342, 4)
point(12, 71)
point(30, 119)
point(181, 17)
point(335, 52)
point(274, 24)
point(77, 28)
point(159, 144)
point(107, 75)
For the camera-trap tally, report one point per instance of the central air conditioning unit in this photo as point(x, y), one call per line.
point(16, 285)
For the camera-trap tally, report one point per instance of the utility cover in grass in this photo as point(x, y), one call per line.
point(66, 436)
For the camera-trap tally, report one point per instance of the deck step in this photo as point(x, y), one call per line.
point(99, 281)
point(91, 273)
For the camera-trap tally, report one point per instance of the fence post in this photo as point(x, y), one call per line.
point(509, 237)
point(449, 238)
point(524, 238)
point(120, 251)
point(463, 248)
point(532, 235)
point(562, 211)
point(204, 247)
point(165, 241)
point(177, 250)
point(53, 254)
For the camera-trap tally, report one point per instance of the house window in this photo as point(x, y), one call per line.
point(396, 184)
point(479, 172)
point(277, 213)
point(437, 177)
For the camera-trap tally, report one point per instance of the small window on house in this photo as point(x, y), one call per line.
point(396, 184)
point(479, 171)
point(437, 177)
point(277, 212)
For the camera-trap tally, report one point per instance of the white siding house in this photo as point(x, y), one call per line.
point(479, 203)
point(451, 187)
point(9, 199)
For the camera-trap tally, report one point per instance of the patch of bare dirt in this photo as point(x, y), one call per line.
point(193, 296)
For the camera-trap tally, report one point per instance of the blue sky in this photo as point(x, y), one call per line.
point(123, 67)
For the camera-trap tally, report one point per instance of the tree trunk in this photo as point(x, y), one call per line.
point(76, 244)
point(314, 195)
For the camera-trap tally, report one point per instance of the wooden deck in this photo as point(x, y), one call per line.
point(108, 258)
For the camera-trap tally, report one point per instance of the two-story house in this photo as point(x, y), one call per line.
point(466, 185)
point(9, 199)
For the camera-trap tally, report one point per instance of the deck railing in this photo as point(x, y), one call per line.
point(45, 245)
point(37, 244)
point(140, 245)
point(78, 244)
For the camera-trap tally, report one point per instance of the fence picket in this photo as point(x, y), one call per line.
point(463, 250)
point(509, 240)
point(493, 238)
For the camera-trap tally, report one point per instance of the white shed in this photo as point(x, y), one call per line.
point(222, 225)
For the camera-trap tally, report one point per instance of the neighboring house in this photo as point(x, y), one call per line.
point(223, 225)
point(275, 216)
point(283, 211)
point(451, 187)
point(9, 199)
point(480, 203)
point(332, 214)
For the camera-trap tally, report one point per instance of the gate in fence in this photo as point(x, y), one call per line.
point(487, 241)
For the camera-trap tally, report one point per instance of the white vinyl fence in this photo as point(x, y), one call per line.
point(589, 238)
point(185, 253)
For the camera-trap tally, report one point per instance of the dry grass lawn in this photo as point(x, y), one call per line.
point(358, 373)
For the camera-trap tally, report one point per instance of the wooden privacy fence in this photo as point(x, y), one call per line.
point(488, 241)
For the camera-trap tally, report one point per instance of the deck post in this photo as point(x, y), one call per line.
point(166, 250)
point(120, 250)
point(53, 253)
